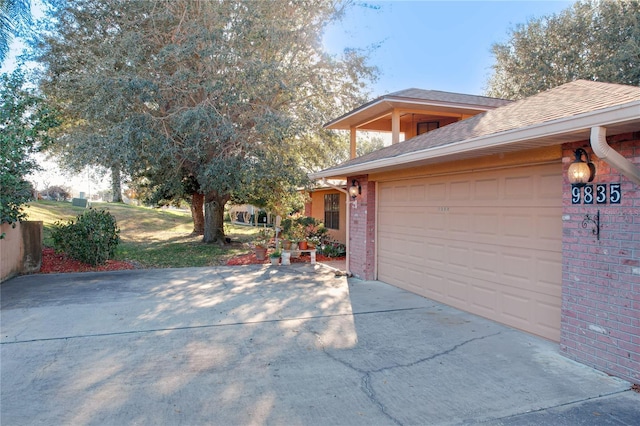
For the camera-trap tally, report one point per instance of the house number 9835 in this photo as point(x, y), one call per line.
point(596, 194)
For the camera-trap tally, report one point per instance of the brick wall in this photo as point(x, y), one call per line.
point(600, 324)
point(362, 231)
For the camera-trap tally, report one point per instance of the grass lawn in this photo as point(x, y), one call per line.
point(154, 238)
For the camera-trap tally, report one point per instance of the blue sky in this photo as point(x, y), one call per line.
point(438, 45)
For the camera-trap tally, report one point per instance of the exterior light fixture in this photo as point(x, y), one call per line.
point(355, 189)
point(581, 172)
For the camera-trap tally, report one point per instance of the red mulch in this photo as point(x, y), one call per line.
point(53, 262)
point(250, 259)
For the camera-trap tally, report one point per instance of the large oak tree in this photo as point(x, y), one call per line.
point(592, 40)
point(232, 94)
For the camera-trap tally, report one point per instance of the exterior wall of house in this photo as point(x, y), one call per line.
point(601, 278)
point(315, 209)
point(20, 249)
point(509, 159)
point(362, 230)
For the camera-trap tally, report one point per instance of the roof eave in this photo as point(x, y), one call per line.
point(484, 145)
point(343, 122)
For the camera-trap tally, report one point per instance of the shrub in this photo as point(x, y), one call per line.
point(334, 249)
point(91, 239)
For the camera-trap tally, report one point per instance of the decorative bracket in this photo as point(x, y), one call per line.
point(595, 220)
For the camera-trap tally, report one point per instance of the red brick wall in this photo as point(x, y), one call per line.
point(362, 231)
point(600, 324)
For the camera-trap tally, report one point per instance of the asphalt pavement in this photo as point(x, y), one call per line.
point(266, 345)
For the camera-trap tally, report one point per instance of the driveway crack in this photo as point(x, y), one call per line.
point(365, 381)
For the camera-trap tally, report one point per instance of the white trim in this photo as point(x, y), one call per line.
point(584, 122)
point(347, 222)
point(376, 251)
point(612, 157)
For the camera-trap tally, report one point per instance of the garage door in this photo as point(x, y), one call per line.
point(486, 242)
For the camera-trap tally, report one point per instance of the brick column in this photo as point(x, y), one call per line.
point(600, 324)
point(362, 232)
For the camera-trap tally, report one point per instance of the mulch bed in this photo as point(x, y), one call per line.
point(53, 263)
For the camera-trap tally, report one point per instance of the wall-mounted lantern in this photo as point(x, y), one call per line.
point(355, 189)
point(581, 172)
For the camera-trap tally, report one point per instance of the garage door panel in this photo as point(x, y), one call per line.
point(478, 244)
point(436, 191)
point(460, 190)
point(418, 193)
point(435, 256)
point(518, 187)
point(487, 189)
point(548, 228)
point(459, 223)
point(484, 298)
point(457, 290)
point(458, 259)
point(549, 187)
point(516, 307)
point(547, 272)
point(486, 263)
point(547, 313)
point(517, 269)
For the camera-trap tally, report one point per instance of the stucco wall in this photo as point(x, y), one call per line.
point(315, 209)
point(20, 249)
point(601, 278)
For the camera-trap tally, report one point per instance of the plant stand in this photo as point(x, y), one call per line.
point(311, 252)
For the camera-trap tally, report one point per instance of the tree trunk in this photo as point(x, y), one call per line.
point(116, 186)
point(197, 213)
point(214, 217)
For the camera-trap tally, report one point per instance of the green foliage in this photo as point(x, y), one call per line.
point(233, 93)
point(263, 237)
point(15, 15)
point(25, 121)
point(275, 254)
point(302, 228)
point(333, 249)
point(92, 238)
point(592, 40)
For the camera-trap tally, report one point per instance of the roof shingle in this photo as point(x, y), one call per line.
point(568, 100)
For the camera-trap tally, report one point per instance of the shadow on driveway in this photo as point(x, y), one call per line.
point(274, 345)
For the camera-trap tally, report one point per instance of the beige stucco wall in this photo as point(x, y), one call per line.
point(20, 249)
point(317, 212)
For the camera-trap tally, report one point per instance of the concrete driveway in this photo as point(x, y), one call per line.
point(276, 345)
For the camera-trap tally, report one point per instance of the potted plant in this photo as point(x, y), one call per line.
point(313, 242)
point(275, 257)
point(260, 244)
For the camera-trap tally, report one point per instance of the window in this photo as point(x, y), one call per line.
point(332, 211)
point(427, 126)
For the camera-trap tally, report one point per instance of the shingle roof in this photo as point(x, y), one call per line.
point(568, 100)
point(423, 98)
point(448, 97)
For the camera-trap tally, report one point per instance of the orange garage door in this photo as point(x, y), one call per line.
point(484, 242)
